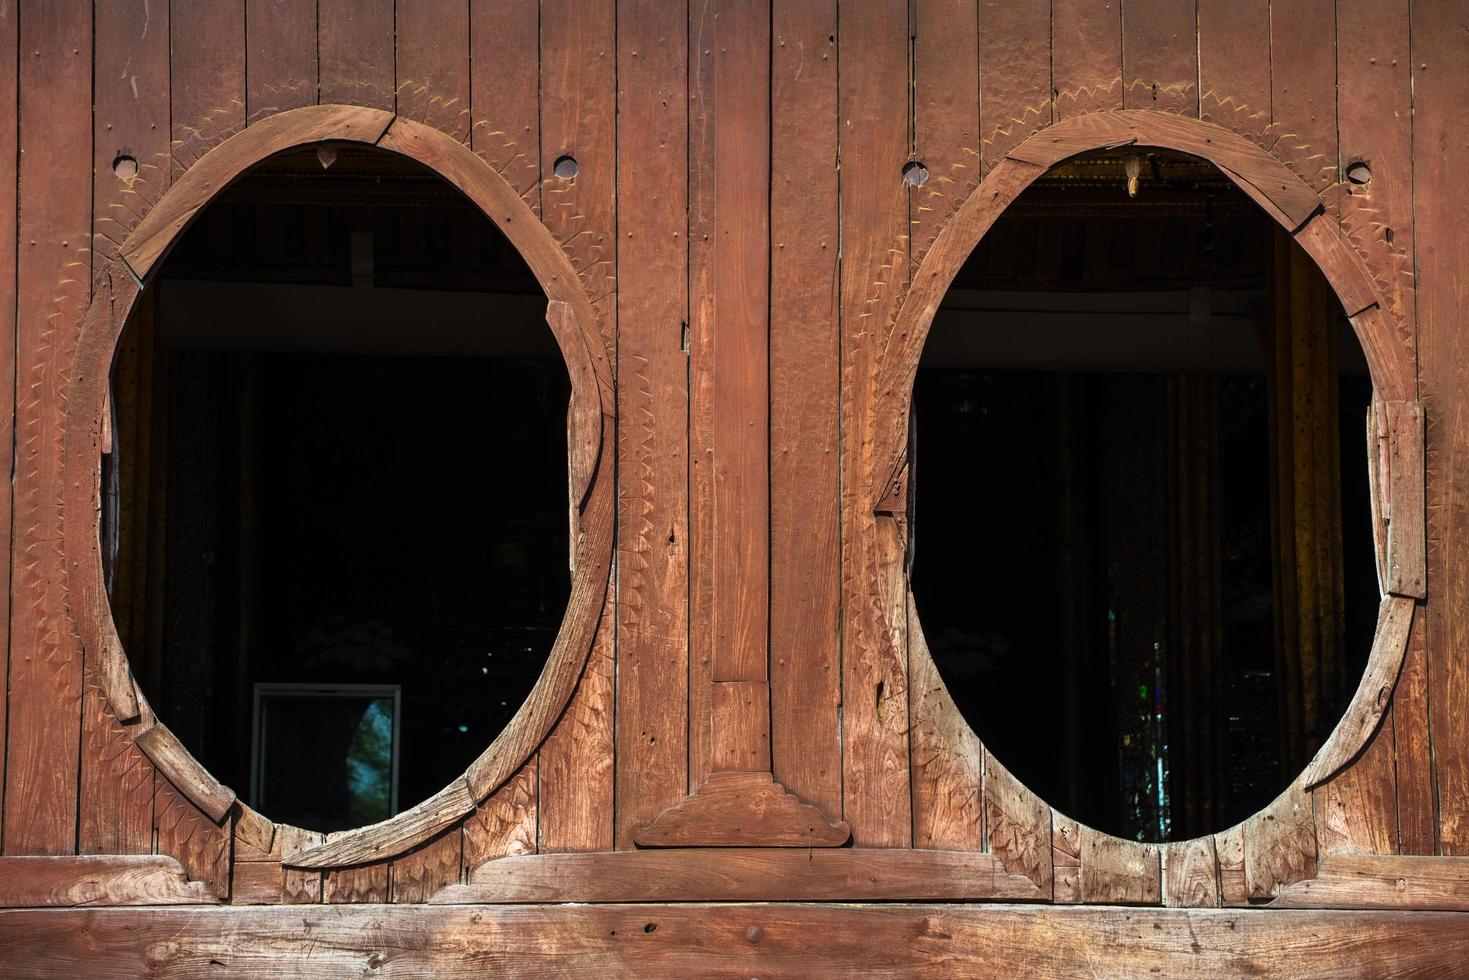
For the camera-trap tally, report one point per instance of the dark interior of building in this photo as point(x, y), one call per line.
point(1143, 555)
point(335, 507)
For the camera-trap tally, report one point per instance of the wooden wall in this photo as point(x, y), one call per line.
point(742, 228)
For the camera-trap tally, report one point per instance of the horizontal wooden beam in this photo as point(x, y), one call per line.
point(744, 874)
point(97, 880)
point(743, 940)
point(1387, 881)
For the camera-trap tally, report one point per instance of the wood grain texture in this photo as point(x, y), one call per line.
point(1229, 851)
point(741, 712)
point(432, 64)
point(1191, 874)
point(1115, 871)
point(1065, 859)
point(98, 880)
point(206, 77)
point(945, 114)
point(355, 52)
point(504, 58)
point(744, 875)
point(368, 884)
point(393, 836)
point(1018, 824)
point(1440, 90)
point(1400, 425)
point(946, 757)
point(51, 275)
point(1356, 810)
point(1160, 52)
point(698, 940)
point(741, 809)
point(299, 887)
point(1303, 78)
point(653, 541)
point(1014, 74)
point(1086, 57)
point(1234, 80)
point(876, 797)
point(805, 405)
point(1382, 882)
point(1416, 798)
point(175, 763)
point(256, 882)
point(9, 231)
point(505, 824)
point(181, 831)
point(1279, 844)
point(575, 767)
point(433, 865)
point(280, 56)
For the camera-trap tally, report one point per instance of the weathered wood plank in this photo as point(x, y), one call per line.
point(97, 880)
point(280, 56)
point(1018, 824)
point(1400, 426)
point(1417, 801)
point(741, 809)
point(206, 76)
point(256, 883)
point(653, 555)
point(1191, 874)
point(805, 405)
point(1303, 94)
point(1234, 64)
point(1160, 50)
point(1229, 849)
point(749, 874)
point(1279, 844)
point(175, 763)
point(181, 831)
point(741, 726)
point(1014, 74)
point(115, 807)
point(1383, 882)
point(504, 824)
point(9, 229)
point(946, 756)
point(1086, 57)
point(432, 64)
point(745, 940)
point(1440, 156)
point(876, 796)
point(391, 837)
point(1356, 810)
point(299, 887)
point(945, 114)
point(355, 48)
point(504, 55)
point(429, 867)
point(368, 884)
point(575, 765)
point(1119, 872)
point(1065, 859)
point(51, 289)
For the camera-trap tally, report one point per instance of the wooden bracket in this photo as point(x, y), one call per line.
point(741, 809)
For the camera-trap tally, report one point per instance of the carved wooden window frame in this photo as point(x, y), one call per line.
point(1395, 452)
point(574, 323)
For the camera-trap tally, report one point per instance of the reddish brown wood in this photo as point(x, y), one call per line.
point(255, 883)
point(368, 884)
point(876, 797)
point(255, 836)
point(394, 836)
point(1356, 811)
point(1416, 799)
point(184, 771)
point(183, 832)
point(1234, 81)
point(741, 809)
point(741, 712)
point(1440, 90)
point(947, 758)
point(1086, 57)
point(745, 874)
point(355, 48)
point(299, 886)
point(1065, 859)
point(504, 824)
point(1160, 52)
point(1383, 882)
point(1303, 87)
point(9, 229)
point(1119, 872)
point(51, 275)
point(1400, 426)
point(1014, 74)
point(1018, 825)
point(575, 765)
point(653, 556)
point(805, 393)
point(1191, 874)
point(206, 76)
point(280, 56)
point(429, 867)
point(432, 63)
point(115, 808)
point(1279, 844)
point(98, 880)
point(945, 114)
point(505, 127)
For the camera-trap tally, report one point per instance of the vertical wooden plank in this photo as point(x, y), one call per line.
point(805, 390)
point(1356, 811)
point(1190, 874)
point(51, 276)
point(1014, 74)
point(299, 886)
point(369, 884)
point(741, 711)
point(504, 91)
point(181, 831)
point(1440, 159)
point(434, 864)
point(1019, 826)
point(1229, 850)
point(873, 73)
point(1234, 64)
point(206, 76)
point(1279, 845)
point(1417, 802)
point(433, 64)
point(1119, 872)
point(280, 56)
point(1160, 56)
point(576, 761)
point(355, 48)
point(945, 113)
point(505, 824)
point(9, 150)
point(115, 805)
point(1086, 56)
point(1065, 860)
point(578, 108)
point(946, 756)
point(652, 562)
point(1303, 87)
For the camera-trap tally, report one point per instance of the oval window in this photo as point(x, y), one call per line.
point(335, 528)
point(1143, 553)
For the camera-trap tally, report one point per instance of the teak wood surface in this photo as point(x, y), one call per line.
point(741, 282)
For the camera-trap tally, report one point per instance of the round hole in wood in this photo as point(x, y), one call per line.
point(915, 173)
point(125, 166)
point(566, 167)
point(1359, 172)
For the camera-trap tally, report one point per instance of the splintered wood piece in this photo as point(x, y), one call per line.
point(741, 809)
point(1390, 881)
point(98, 879)
point(184, 771)
point(744, 874)
point(1374, 693)
point(1400, 482)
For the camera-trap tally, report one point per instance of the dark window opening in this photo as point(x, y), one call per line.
point(1143, 553)
point(338, 473)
